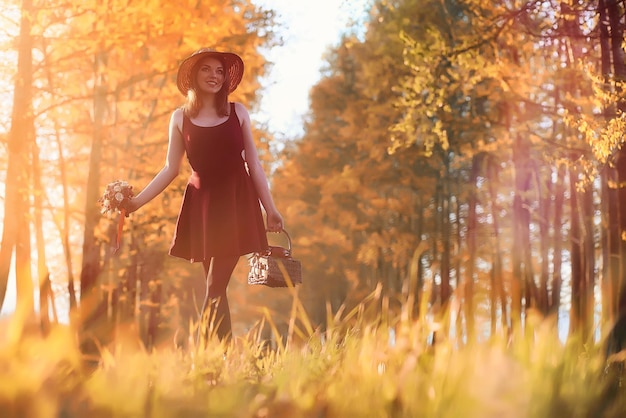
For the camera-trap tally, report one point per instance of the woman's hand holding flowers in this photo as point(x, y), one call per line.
point(117, 198)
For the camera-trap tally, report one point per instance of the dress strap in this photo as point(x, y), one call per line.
point(234, 112)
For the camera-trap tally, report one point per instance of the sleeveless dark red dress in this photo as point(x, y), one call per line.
point(220, 214)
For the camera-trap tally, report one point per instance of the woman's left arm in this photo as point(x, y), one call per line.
point(274, 218)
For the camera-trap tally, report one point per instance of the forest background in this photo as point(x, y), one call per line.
point(466, 154)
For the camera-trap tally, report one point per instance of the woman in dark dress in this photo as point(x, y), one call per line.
point(220, 217)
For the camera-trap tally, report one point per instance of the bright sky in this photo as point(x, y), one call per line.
point(310, 27)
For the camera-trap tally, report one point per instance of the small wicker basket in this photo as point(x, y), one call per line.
point(275, 267)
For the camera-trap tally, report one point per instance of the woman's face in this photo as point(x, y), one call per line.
point(210, 76)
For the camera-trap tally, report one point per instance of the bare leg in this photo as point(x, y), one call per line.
point(215, 310)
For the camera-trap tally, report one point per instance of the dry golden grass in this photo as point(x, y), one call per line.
point(357, 368)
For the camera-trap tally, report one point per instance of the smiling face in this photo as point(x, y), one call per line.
point(210, 76)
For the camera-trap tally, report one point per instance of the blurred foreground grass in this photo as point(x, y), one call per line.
point(356, 368)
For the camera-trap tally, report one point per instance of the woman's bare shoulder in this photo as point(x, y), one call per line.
point(240, 109)
point(177, 114)
point(177, 118)
point(176, 121)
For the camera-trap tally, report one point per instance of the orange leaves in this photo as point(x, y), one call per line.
point(346, 182)
point(603, 136)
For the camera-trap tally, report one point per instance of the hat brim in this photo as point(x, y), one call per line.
point(233, 63)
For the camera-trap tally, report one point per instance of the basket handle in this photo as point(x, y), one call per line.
point(286, 234)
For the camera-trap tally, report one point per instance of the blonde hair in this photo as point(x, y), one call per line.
point(193, 102)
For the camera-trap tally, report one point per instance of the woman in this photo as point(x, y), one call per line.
point(220, 217)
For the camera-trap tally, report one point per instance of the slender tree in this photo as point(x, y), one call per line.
point(15, 232)
point(612, 52)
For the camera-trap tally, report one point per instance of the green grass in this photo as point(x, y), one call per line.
point(353, 370)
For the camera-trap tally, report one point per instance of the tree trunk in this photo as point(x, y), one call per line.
point(472, 224)
point(613, 197)
point(15, 233)
point(557, 262)
point(90, 301)
point(545, 206)
point(446, 235)
point(498, 292)
point(589, 262)
point(582, 260)
point(521, 221)
point(42, 266)
point(577, 270)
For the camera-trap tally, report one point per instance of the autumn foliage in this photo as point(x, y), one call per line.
point(468, 152)
point(462, 157)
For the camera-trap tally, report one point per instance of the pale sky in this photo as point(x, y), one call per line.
point(310, 27)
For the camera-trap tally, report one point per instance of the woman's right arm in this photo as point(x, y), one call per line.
point(175, 154)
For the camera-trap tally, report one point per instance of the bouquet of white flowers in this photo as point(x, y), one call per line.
point(116, 197)
point(115, 200)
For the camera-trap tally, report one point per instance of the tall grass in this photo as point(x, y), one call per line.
point(366, 363)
